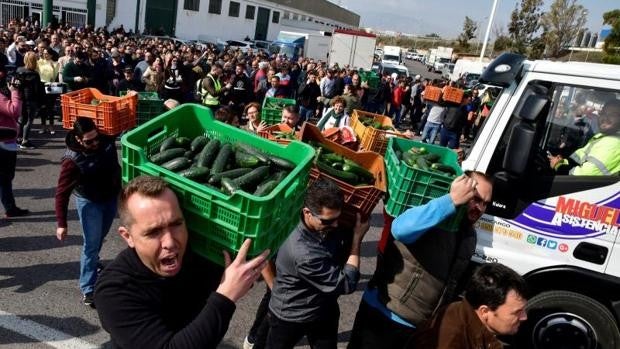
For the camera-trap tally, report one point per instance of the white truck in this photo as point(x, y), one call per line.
point(392, 55)
point(443, 55)
point(468, 70)
point(352, 47)
point(294, 45)
point(559, 231)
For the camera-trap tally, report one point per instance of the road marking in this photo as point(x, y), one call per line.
point(42, 333)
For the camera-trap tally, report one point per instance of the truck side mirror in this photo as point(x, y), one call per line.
point(523, 134)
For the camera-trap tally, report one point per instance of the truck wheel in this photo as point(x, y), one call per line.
point(567, 320)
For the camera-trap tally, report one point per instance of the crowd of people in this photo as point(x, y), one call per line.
point(155, 293)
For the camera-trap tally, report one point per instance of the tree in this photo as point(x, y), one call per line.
point(502, 41)
point(469, 32)
point(524, 23)
point(562, 24)
point(611, 47)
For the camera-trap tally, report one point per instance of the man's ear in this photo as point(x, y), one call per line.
point(483, 312)
point(124, 233)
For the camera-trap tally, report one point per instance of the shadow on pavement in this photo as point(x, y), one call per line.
point(71, 327)
point(34, 193)
point(41, 216)
point(37, 243)
point(24, 161)
point(34, 276)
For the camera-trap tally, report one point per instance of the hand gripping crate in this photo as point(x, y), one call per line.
point(408, 186)
point(111, 114)
point(218, 221)
point(149, 106)
point(271, 133)
point(370, 138)
point(363, 198)
point(271, 112)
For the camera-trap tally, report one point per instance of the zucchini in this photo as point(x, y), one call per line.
point(252, 178)
point(208, 153)
point(443, 168)
point(229, 186)
point(347, 177)
point(195, 173)
point(221, 159)
point(231, 174)
point(282, 163)
point(265, 188)
point(262, 157)
point(198, 143)
point(167, 155)
point(183, 142)
point(243, 159)
point(422, 163)
point(170, 142)
point(176, 164)
point(354, 167)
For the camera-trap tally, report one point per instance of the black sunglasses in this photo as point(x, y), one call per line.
point(323, 220)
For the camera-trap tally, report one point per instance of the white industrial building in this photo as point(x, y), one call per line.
point(195, 19)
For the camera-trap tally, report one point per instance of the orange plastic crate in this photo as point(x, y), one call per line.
point(363, 198)
point(432, 93)
point(370, 138)
point(452, 94)
point(112, 115)
point(268, 133)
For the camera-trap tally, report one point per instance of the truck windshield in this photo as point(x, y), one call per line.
point(390, 58)
point(289, 51)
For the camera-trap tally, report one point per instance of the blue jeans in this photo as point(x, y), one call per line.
point(395, 115)
point(430, 132)
point(305, 114)
point(449, 138)
point(96, 219)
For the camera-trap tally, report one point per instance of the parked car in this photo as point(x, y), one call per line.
point(401, 70)
point(244, 46)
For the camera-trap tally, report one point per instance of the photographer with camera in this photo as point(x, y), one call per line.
point(10, 106)
point(28, 81)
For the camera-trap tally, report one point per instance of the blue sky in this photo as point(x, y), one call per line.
point(446, 17)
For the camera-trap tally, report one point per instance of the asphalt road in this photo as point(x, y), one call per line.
point(40, 302)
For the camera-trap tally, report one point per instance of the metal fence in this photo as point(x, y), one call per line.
point(15, 9)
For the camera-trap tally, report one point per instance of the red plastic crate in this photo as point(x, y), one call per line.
point(268, 133)
point(112, 115)
point(452, 94)
point(432, 93)
point(363, 198)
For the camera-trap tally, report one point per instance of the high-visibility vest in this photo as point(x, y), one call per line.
point(600, 156)
point(207, 98)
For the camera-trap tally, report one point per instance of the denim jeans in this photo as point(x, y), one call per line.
point(449, 138)
point(305, 114)
point(395, 115)
point(96, 219)
point(430, 132)
point(30, 110)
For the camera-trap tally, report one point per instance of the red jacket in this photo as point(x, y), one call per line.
point(397, 96)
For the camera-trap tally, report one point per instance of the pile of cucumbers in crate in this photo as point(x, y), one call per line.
point(226, 167)
point(341, 168)
point(284, 135)
point(369, 122)
point(421, 158)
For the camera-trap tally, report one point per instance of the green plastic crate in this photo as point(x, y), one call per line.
point(217, 221)
point(149, 106)
point(272, 116)
point(370, 77)
point(409, 187)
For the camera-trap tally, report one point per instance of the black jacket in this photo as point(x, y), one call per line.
point(143, 310)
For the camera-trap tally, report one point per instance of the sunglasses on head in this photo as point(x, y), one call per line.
point(91, 141)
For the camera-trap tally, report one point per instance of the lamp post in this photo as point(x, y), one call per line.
point(486, 35)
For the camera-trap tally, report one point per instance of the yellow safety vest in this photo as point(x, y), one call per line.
point(207, 98)
point(600, 156)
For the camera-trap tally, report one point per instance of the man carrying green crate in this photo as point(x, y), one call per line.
point(158, 294)
point(420, 266)
point(313, 268)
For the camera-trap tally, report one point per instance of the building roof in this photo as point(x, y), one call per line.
point(322, 8)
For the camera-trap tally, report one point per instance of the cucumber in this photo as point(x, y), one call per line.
point(443, 168)
point(167, 155)
point(282, 163)
point(183, 142)
point(195, 173)
point(431, 157)
point(208, 153)
point(409, 158)
point(354, 167)
point(265, 188)
point(279, 176)
point(262, 157)
point(229, 186)
point(188, 154)
point(231, 174)
point(419, 151)
point(347, 177)
point(221, 159)
point(243, 159)
point(422, 163)
point(198, 143)
point(177, 164)
point(170, 142)
point(333, 157)
point(252, 178)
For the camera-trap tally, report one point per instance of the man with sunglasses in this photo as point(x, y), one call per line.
point(91, 171)
point(314, 266)
point(420, 265)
